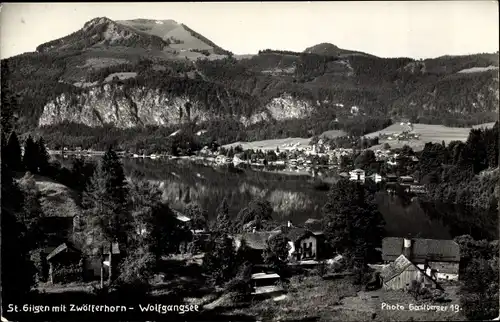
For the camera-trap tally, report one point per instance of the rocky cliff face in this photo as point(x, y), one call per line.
point(127, 107)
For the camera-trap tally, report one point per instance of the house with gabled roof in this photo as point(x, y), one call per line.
point(357, 175)
point(255, 243)
point(314, 225)
point(375, 177)
point(303, 244)
point(401, 274)
point(442, 256)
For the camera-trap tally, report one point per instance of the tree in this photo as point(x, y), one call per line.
point(479, 290)
point(18, 271)
point(241, 283)
point(9, 106)
point(432, 157)
point(276, 252)
point(258, 211)
point(136, 271)
point(345, 161)
point(81, 173)
point(220, 260)
point(107, 215)
point(223, 223)
point(490, 137)
point(477, 150)
point(32, 210)
point(199, 217)
point(406, 151)
point(365, 160)
point(12, 154)
point(156, 227)
point(350, 222)
point(43, 156)
point(115, 182)
point(30, 157)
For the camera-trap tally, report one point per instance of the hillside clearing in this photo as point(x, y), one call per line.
point(477, 69)
point(428, 133)
point(283, 144)
point(121, 76)
point(57, 200)
point(333, 134)
point(271, 144)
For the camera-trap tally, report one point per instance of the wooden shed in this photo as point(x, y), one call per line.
point(65, 260)
point(400, 274)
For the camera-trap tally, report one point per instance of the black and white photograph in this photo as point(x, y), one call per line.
point(250, 161)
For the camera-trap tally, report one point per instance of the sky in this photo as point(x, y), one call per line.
point(386, 29)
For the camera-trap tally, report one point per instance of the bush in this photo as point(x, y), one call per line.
point(41, 265)
point(361, 275)
point(424, 293)
point(240, 287)
point(321, 270)
point(195, 246)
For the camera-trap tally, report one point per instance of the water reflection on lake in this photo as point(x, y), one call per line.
point(298, 197)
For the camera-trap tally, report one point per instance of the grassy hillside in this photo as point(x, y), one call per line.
point(428, 133)
point(57, 200)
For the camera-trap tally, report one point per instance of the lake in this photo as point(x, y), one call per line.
point(299, 197)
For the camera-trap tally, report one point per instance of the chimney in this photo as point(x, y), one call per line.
point(407, 248)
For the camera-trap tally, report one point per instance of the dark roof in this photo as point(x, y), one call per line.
point(257, 240)
point(314, 225)
point(61, 248)
point(296, 234)
point(284, 227)
point(422, 249)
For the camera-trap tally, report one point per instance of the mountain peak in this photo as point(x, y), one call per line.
point(96, 21)
point(328, 49)
point(103, 31)
point(166, 37)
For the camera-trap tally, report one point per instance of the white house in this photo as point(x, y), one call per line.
point(376, 177)
point(357, 175)
point(220, 159)
point(237, 159)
